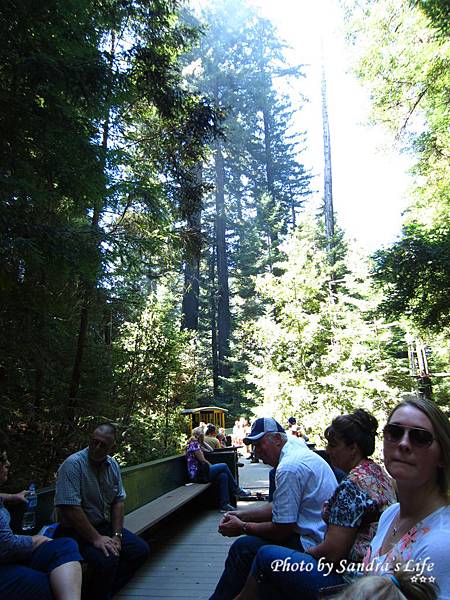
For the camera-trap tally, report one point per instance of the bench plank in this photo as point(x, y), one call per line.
point(148, 515)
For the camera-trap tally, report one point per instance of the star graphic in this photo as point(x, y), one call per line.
point(423, 579)
point(414, 579)
point(431, 579)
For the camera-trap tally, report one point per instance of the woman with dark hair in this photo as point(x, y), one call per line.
point(417, 529)
point(351, 515)
point(35, 567)
point(351, 440)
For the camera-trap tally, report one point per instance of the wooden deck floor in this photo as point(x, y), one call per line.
point(189, 564)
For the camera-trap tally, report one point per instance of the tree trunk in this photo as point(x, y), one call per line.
point(328, 188)
point(190, 305)
point(223, 304)
point(272, 235)
point(213, 321)
point(269, 160)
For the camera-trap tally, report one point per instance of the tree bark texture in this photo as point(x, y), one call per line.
point(213, 321)
point(223, 304)
point(190, 305)
point(328, 187)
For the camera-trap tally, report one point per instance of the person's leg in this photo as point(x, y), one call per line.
point(221, 482)
point(65, 581)
point(237, 567)
point(102, 569)
point(102, 572)
point(223, 468)
point(60, 558)
point(218, 475)
point(18, 582)
point(133, 554)
point(282, 573)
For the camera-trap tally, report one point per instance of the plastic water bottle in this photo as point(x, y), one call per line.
point(29, 516)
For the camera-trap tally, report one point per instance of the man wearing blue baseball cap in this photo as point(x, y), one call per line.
point(304, 481)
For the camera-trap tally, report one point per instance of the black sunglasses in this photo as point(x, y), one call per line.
point(421, 438)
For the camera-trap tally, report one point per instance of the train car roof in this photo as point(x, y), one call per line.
point(188, 411)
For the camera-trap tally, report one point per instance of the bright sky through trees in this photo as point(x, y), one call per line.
point(369, 175)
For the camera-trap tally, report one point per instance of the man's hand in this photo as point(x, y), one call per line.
point(107, 545)
point(234, 513)
point(40, 539)
point(117, 541)
point(231, 525)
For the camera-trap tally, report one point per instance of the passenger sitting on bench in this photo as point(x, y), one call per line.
point(351, 514)
point(304, 482)
point(35, 567)
point(211, 436)
point(219, 473)
point(90, 502)
point(222, 438)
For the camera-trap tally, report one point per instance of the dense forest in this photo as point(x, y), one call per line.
point(163, 244)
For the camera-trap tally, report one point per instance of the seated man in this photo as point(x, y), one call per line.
point(90, 502)
point(304, 482)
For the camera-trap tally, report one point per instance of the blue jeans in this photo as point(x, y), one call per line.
point(109, 573)
point(282, 573)
point(239, 562)
point(30, 580)
point(222, 476)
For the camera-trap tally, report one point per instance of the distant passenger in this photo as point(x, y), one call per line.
point(219, 474)
point(221, 436)
point(211, 436)
point(90, 502)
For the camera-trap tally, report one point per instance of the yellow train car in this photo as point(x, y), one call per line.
point(205, 414)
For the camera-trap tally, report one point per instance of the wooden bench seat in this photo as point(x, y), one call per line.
point(151, 513)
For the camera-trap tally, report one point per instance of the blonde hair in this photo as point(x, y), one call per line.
point(441, 427)
point(197, 432)
point(394, 587)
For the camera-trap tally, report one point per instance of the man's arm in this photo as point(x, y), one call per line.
point(117, 515)
point(232, 526)
point(260, 514)
point(74, 517)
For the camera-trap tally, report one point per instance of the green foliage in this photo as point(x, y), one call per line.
point(98, 137)
point(318, 349)
point(415, 275)
point(438, 13)
point(406, 65)
point(240, 63)
point(155, 374)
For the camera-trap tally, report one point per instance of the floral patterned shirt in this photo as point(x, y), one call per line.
point(192, 461)
point(423, 549)
point(358, 501)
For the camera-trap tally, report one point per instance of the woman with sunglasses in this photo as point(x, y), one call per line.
point(416, 531)
point(35, 567)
